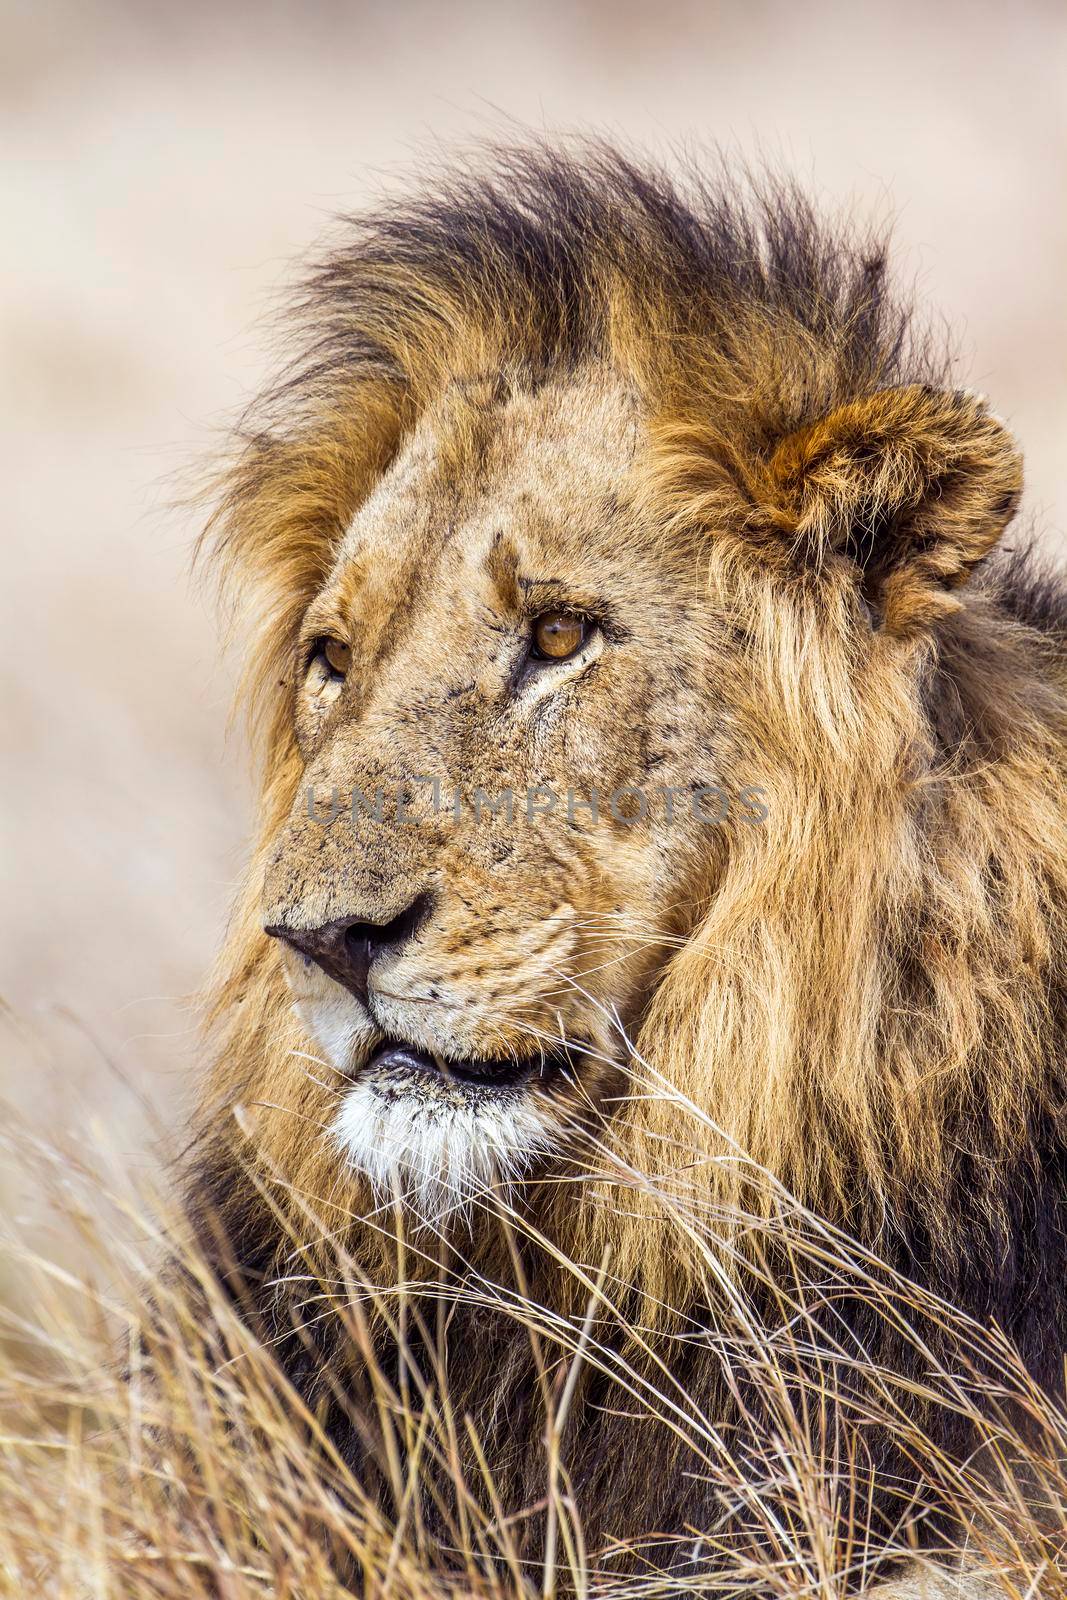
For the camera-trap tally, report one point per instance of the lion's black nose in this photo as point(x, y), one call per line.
point(347, 949)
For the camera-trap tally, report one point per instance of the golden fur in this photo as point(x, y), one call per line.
point(710, 411)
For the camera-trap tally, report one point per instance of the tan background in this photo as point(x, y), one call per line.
point(163, 165)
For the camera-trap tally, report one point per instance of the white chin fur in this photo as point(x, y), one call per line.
point(439, 1153)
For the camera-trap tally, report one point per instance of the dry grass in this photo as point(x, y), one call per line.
point(151, 1446)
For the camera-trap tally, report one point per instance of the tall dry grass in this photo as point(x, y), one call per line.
point(150, 1445)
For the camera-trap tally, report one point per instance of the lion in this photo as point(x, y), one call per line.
point(663, 796)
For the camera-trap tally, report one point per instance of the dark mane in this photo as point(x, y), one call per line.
point(538, 245)
point(1030, 588)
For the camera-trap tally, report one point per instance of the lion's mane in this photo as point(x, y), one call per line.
point(872, 1010)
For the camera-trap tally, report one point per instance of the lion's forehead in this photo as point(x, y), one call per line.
point(544, 466)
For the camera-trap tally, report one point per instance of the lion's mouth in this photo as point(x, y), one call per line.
point(396, 1060)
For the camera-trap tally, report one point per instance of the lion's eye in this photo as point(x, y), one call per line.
point(336, 654)
point(558, 634)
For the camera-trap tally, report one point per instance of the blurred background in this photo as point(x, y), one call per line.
point(164, 167)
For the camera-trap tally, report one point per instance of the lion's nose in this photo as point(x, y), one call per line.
point(347, 948)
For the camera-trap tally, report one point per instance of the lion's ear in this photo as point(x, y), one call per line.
point(913, 484)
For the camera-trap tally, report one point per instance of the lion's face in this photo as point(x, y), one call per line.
point(502, 644)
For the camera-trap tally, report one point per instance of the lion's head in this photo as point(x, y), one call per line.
point(509, 721)
point(633, 692)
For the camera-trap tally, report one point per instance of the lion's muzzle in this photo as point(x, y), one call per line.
point(347, 948)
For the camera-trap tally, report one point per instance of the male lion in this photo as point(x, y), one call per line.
point(663, 814)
